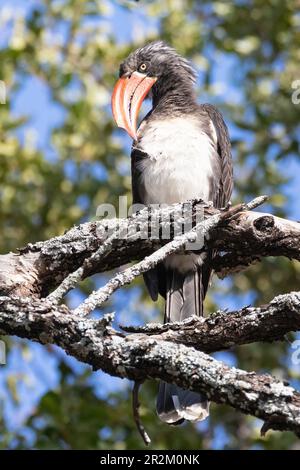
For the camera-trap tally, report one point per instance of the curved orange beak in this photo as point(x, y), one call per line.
point(127, 98)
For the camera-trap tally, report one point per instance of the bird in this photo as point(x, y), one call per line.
point(181, 150)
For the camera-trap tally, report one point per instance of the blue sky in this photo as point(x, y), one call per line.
point(37, 364)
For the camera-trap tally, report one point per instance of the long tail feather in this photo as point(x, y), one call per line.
point(174, 405)
point(184, 298)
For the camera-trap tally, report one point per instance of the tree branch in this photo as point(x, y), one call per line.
point(176, 352)
point(136, 413)
point(139, 356)
point(95, 247)
point(222, 330)
point(97, 298)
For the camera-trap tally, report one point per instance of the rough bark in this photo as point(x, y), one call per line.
point(175, 353)
point(250, 236)
point(222, 330)
point(241, 239)
point(138, 356)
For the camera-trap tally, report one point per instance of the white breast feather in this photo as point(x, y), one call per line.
point(179, 164)
point(179, 168)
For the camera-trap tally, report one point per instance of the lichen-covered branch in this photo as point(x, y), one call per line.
point(240, 239)
point(222, 330)
point(97, 298)
point(138, 356)
point(249, 237)
point(33, 282)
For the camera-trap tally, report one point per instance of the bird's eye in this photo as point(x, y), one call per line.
point(143, 67)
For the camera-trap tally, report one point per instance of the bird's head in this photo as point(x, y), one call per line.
point(155, 66)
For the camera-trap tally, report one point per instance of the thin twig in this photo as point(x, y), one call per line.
point(258, 201)
point(72, 280)
point(136, 413)
point(244, 206)
point(97, 298)
point(67, 284)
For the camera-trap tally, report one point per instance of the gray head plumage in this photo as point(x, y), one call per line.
point(175, 76)
point(161, 60)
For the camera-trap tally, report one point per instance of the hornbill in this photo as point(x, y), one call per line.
point(180, 151)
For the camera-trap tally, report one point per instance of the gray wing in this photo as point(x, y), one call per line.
point(224, 150)
point(138, 190)
point(222, 189)
point(155, 278)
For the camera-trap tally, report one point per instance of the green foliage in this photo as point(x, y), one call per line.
point(73, 48)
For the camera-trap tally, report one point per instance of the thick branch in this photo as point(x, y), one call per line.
point(251, 236)
point(139, 356)
point(240, 240)
point(222, 330)
point(97, 298)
